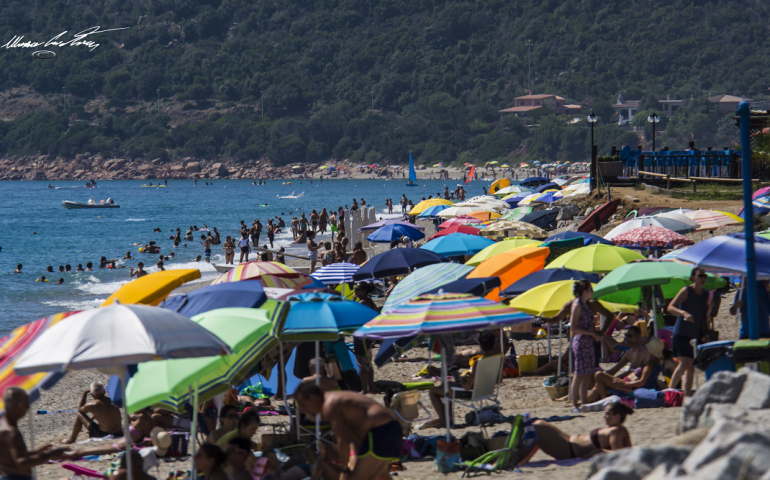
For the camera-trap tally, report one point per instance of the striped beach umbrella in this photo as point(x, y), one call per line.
point(431, 212)
point(253, 270)
point(710, 220)
point(336, 273)
point(425, 279)
point(293, 282)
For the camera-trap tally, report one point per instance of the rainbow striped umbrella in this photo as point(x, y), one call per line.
point(442, 313)
point(710, 220)
point(293, 282)
point(11, 348)
point(253, 270)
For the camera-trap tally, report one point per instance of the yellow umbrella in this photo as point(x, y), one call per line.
point(547, 299)
point(499, 184)
point(501, 247)
point(493, 162)
point(426, 204)
point(323, 167)
point(731, 215)
point(151, 289)
point(598, 258)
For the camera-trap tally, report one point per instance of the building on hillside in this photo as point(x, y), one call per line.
point(626, 109)
point(729, 103)
point(528, 103)
point(670, 106)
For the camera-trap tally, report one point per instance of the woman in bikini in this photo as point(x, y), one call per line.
point(561, 446)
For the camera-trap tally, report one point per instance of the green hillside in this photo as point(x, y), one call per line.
point(437, 73)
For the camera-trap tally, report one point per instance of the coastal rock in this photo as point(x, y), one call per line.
point(643, 459)
point(756, 391)
point(729, 439)
point(177, 169)
point(192, 167)
point(219, 169)
point(723, 387)
point(145, 167)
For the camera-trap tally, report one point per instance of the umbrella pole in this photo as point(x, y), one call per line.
point(558, 366)
point(318, 383)
point(32, 439)
point(654, 314)
point(548, 336)
point(446, 394)
point(194, 430)
point(282, 372)
point(126, 433)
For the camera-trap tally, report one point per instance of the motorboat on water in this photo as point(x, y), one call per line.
point(109, 203)
point(292, 195)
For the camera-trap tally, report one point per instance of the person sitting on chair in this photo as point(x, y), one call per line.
point(327, 383)
point(104, 416)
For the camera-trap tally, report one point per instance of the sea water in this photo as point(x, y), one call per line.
point(37, 231)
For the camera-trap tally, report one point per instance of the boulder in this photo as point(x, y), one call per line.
point(723, 387)
point(729, 438)
point(756, 391)
point(117, 164)
point(192, 167)
point(643, 459)
point(146, 167)
point(177, 168)
point(219, 169)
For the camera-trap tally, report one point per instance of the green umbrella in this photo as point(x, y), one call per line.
point(250, 332)
point(622, 285)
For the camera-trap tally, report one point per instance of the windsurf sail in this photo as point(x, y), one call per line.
point(412, 174)
point(470, 174)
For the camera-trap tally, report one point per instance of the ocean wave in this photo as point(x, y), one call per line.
point(101, 288)
point(136, 220)
point(72, 305)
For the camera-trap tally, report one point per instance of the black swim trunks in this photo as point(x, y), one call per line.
point(383, 442)
point(94, 431)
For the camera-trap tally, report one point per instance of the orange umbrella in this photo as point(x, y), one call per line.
point(511, 266)
point(483, 215)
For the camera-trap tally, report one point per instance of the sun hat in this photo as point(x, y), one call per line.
point(161, 440)
point(655, 347)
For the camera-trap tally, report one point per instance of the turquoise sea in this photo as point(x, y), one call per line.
point(37, 231)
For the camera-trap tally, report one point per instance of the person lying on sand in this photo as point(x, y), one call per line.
point(140, 428)
point(100, 416)
point(562, 446)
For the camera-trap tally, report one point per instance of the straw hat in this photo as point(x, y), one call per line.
point(655, 347)
point(161, 440)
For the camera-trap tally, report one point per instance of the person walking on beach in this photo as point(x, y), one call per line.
point(303, 223)
point(584, 337)
point(312, 248)
point(139, 271)
point(206, 247)
point(690, 305)
point(104, 416)
point(314, 221)
point(229, 248)
point(323, 220)
point(270, 232)
point(294, 225)
point(403, 203)
point(16, 461)
point(245, 249)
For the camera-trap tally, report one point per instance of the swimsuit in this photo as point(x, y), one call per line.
point(15, 476)
point(95, 431)
point(383, 442)
point(594, 435)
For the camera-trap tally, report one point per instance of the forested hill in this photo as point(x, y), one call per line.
point(436, 72)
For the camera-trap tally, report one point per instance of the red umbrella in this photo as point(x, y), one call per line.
point(651, 236)
point(462, 219)
point(457, 229)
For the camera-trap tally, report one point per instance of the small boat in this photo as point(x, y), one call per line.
point(156, 186)
point(292, 195)
point(91, 204)
point(412, 174)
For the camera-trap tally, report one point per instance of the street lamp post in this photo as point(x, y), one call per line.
point(262, 103)
point(529, 62)
point(653, 119)
point(372, 94)
point(592, 120)
point(158, 90)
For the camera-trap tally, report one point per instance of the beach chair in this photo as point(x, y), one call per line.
point(504, 458)
point(487, 376)
point(407, 406)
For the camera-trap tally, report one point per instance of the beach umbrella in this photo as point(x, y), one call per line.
point(425, 204)
point(503, 246)
point(513, 200)
point(511, 266)
point(731, 215)
point(526, 200)
point(13, 345)
point(675, 215)
point(760, 206)
point(388, 233)
point(457, 244)
point(253, 270)
point(212, 297)
point(517, 213)
point(432, 212)
point(549, 197)
point(598, 258)
point(511, 190)
point(457, 221)
point(664, 222)
point(541, 277)
point(484, 215)
point(651, 237)
point(546, 300)
point(151, 289)
point(710, 220)
point(727, 253)
point(669, 275)
point(475, 286)
point(588, 238)
point(322, 316)
point(249, 332)
point(397, 261)
point(546, 187)
point(466, 229)
point(461, 210)
point(542, 218)
point(509, 228)
point(391, 221)
point(336, 273)
point(424, 279)
point(298, 280)
point(499, 183)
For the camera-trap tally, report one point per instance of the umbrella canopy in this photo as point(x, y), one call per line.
point(298, 280)
point(432, 212)
point(423, 280)
point(475, 286)
point(547, 299)
point(118, 335)
point(512, 189)
point(457, 244)
point(509, 228)
point(759, 206)
point(710, 220)
point(541, 277)
point(249, 332)
point(484, 215)
point(396, 346)
point(431, 314)
point(466, 229)
point(549, 197)
point(322, 316)
point(253, 270)
point(651, 237)
point(511, 266)
point(731, 215)
point(501, 247)
point(517, 213)
point(546, 187)
point(534, 182)
point(151, 289)
point(542, 218)
point(679, 217)
point(425, 204)
point(391, 221)
point(458, 221)
point(588, 238)
point(388, 233)
point(336, 273)
point(596, 258)
point(664, 222)
point(14, 345)
point(456, 211)
point(727, 253)
point(212, 297)
point(498, 184)
point(397, 261)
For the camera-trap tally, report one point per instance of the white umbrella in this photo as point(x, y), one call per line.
point(456, 211)
point(109, 338)
point(675, 215)
point(512, 189)
point(482, 205)
point(664, 222)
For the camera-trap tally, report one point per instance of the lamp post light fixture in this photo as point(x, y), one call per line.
point(592, 120)
point(372, 94)
point(158, 90)
point(653, 119)
point(262, 103)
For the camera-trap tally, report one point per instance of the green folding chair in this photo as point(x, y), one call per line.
point(503, 458)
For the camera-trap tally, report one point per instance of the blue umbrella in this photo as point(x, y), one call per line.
point(322, 316)
point(391, 221)
point(534, 181)
point(475, 286)
point(392, 347)
point(456, 244)
point(549, 198)
point(546, 276)
point(589, 239)
point(388, 233)
point(432, 212)
point(727, 253)
point(336, 273)
point(397, 261)
point(760, 206)
point(547, 186)
point(514, 201)
point(211, 297)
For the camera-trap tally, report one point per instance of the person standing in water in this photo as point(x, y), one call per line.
point(323, 220)
point(245, 249)
point(207, 247)
point(229, 248)
point(270, 232)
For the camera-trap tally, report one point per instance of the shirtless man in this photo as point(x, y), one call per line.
point(206, 247)
point(359, 255)
point(137, 468)
point(356, 419)
point(636, 356)
point(141, 426)
point(18, 268)
point(104, 416)
point(139, 271)
point(16, 461)
point(327, 384)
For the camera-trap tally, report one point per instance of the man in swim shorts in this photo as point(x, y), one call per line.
point(100, 416)
point(139, 271)
point(356, 419)
point(207, 247)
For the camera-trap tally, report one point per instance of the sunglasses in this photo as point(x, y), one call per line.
point(702, 275)
point(233, 415)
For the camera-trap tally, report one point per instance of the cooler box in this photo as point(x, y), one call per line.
point(752, 352)
point(713, 357)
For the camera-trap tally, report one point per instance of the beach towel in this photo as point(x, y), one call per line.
point(674, 398)
point(599, 406)
point(646, 398)
point(561, 463)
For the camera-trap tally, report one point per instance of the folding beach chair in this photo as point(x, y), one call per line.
point(504, 458)
point(407, 406)
point(487, 376)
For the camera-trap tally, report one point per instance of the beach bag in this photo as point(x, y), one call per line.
point(447, 456)
point(472, 446)
point(528, 360)
point(486, 415)
point(542, 356)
